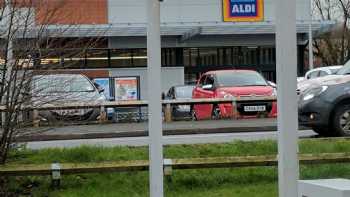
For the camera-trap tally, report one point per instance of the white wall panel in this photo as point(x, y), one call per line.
point(134, 11)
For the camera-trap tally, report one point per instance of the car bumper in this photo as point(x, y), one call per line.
point(47, 115)
point(181, 113)
point(271, 110)
point(314, 113)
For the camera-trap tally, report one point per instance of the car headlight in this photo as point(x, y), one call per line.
point(274, 92)
point(228, 96)
point(312, 93)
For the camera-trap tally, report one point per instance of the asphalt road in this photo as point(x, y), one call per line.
point(140, 129)
point(167, 140)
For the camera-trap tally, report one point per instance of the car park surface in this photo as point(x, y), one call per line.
point(231, 84)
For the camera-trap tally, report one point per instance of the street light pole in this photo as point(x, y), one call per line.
point(311, 54)
point(154, 97)
point(286, 43)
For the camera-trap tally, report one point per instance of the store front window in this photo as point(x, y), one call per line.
point(97, 58)
point(121, 58)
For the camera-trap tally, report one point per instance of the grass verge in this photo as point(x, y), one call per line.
point(254, 181)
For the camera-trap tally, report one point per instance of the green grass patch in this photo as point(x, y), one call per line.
point(238, 148)
point(240, 182)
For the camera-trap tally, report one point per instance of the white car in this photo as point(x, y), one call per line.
point(320, 72)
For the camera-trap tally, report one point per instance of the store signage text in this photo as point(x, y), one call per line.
point(243, 10)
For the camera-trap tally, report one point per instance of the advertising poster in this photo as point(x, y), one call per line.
point(126, 88)
point(243, 10)
point(104, 83)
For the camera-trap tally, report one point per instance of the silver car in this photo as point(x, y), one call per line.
point(56, 89)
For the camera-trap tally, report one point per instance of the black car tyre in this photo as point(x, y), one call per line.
point(94, 115)
point(341, 121)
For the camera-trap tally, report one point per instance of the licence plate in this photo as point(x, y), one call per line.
point(254, 108)
point(74, 112)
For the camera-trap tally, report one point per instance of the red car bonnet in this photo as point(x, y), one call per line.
point(246, 90)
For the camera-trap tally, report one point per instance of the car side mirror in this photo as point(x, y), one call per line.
point(272, 84)
point(208, 87)
point(100, 90)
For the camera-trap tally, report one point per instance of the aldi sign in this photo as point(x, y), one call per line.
point(243, 10)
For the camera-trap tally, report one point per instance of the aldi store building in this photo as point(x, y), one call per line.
point(197, 36)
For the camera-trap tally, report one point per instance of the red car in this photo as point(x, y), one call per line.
point(233, 83)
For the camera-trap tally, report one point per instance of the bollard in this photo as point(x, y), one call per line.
point(55, 175)
point(167, 168)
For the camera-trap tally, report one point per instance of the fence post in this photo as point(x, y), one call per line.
point(167, 114)
point(36, 118)
point(103, 115)
point(234, 110)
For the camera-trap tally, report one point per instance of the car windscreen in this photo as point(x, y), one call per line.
point(345, 70)
point(334, 70)
point(184, 91)
point(52, 84)
point(225, 79)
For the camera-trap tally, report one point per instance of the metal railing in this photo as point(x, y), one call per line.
point(167, 106)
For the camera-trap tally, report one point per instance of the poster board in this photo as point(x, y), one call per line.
point(126, 88)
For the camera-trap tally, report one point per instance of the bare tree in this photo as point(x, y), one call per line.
point(29, 42)
point(28, 49)
point(333, 46)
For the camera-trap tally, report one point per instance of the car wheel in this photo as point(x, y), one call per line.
point(94, 115)
point(216, 114)
point(341, 121)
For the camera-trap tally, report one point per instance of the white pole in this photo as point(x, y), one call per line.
point(286, 43)
point(154, 97)
point(311, 54)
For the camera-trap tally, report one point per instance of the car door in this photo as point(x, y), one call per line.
point(204, 111)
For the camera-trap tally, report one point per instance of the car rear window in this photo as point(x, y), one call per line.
point(240, 79)
point(345, 70)
point(334, 70)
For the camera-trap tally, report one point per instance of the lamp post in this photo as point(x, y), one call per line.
point(154, 97)
point(286, 59)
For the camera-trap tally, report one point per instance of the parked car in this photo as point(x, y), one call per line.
point(320, 72)
point(180, 92)
point(307, 84)
point(326, 107)
point(233, 83)
point(56, 89)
